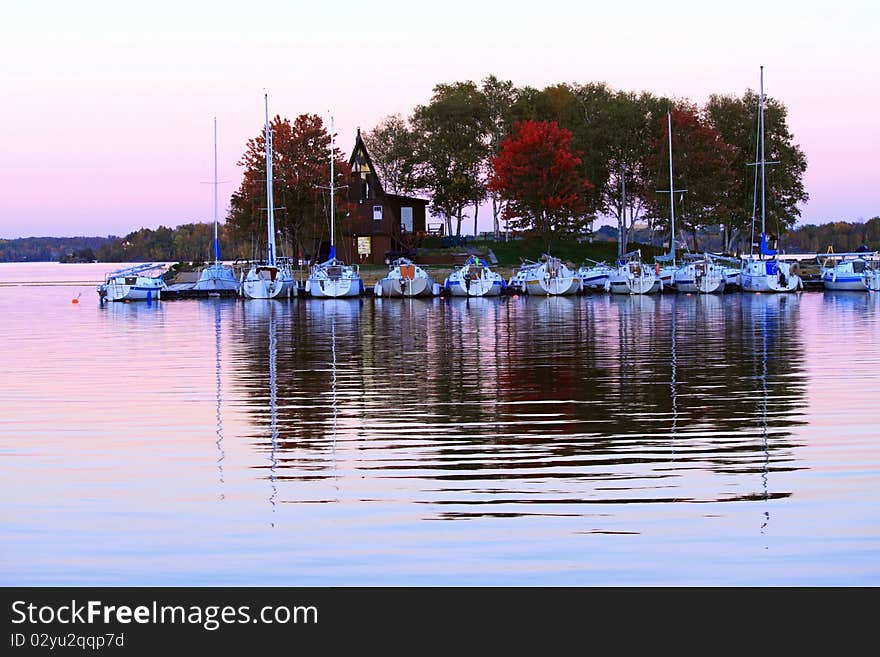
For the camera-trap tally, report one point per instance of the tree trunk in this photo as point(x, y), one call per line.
point(496, 210)
point(476, 212)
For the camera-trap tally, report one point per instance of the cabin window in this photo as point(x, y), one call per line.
point(131, 280)
point(406, 222)
point(377, 213)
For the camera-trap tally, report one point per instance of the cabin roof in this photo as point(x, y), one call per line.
point(360, 146)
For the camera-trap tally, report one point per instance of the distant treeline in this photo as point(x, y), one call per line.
point(194, 243)
point(842, 236)
point(186, 243)
point(51, 249)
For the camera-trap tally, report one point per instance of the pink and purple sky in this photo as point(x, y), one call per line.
point(107, 106)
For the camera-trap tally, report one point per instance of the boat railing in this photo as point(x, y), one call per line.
point(133, 270)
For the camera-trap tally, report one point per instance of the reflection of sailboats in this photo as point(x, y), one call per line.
point(273, 407)
point(221, 454)
point(773, 326)
point(334, 402)
point(673, 392)
point(764, 433)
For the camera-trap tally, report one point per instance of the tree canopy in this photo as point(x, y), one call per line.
point(445, 148)
point(702, 164)
point(538, 174)
point(301, 174)
point(450, 149)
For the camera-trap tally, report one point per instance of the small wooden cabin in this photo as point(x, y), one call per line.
point(379, 225)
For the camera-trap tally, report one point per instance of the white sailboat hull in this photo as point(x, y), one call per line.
point(647, 283)
point(593, 279)
point(701, 285)
point(474, 279)
point(257, 285)
point(767, 283)
point(850, 275)
point(217, 278)
point(732, 277)
point(475, 288)
point(553, 286)
point(845, 284)
point(702, 276)
point(326, 288)
point(144, 288)
point(405, 287)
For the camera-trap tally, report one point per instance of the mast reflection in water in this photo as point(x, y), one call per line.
point(533, 406)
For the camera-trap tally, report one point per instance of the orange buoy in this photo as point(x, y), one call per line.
point(74, 301)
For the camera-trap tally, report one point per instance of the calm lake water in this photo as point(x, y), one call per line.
point(661, 440)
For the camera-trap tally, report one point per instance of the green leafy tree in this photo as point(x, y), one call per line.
point(735, 119)
point(392, 145)
point(450, 149)
point(501, 97)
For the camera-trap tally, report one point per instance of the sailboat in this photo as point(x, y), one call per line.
point(405, 279)
point(217, 277)
point(474, 279)
point(666, 272)
point(630, 276)
point(594, 277)
point(700, 274)
point(552, 277)
point(517, 282)
point(849, 271)
point(633, 277)
point(765, 273)
point(272, 277)
point(333, 279)
point(132, 284)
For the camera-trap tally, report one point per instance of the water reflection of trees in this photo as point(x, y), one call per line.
point(496, 396)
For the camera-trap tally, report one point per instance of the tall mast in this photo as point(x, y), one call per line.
point(332, 195)
point(622, 209)
point(755, 190)
point(763, 163)
point(671, 192)
point(270, 204)
point(216, 237)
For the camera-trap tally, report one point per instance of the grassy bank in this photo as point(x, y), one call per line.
point(512, 253)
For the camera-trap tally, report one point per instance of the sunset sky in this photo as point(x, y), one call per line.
point(107, 106)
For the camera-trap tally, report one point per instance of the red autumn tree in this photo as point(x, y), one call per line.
point(301, 173)
point(538, 174)
point(702, 164)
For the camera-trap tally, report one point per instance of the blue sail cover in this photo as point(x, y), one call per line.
point(765, 249)
point(333, 252)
